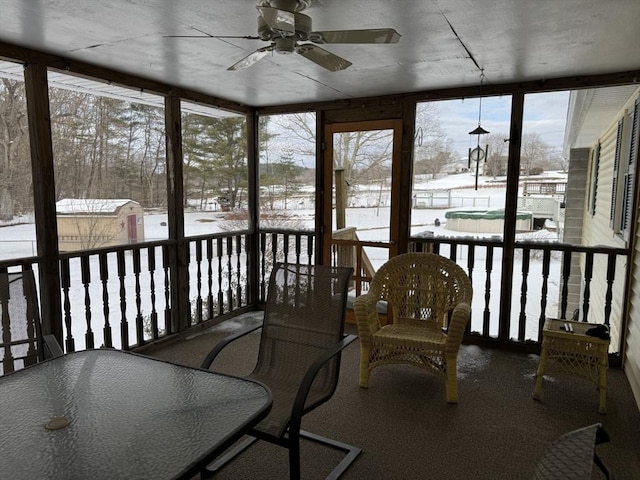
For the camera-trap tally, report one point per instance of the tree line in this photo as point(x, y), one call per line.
point(110, 148)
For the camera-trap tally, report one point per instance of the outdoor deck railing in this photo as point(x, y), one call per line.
point(121, 296)
point(549, 279)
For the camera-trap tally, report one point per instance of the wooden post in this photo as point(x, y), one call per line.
point(44, 198)
point(510, 211)
point(253, 243)
point(321, 258)
point(341, 199)
point(180, 309)
point(405, 180)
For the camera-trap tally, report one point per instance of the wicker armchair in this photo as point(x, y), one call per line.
point(428, 303)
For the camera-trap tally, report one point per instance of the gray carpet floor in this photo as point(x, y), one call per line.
point(407, 431)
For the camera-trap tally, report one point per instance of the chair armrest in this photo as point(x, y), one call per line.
point(365, 308)
point(213, 353)
point(459, 319)
point(303, 390)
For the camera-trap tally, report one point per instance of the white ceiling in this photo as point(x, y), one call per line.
point(444, 43)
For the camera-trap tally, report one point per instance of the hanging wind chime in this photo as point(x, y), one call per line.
point(478, 155)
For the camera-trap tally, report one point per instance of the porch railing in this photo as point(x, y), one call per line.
point(121, 297)
point(549, 279)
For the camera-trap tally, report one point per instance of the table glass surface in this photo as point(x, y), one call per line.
point(130, 417)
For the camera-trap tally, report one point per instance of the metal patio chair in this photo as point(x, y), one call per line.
point(20, 317)
point(428, 305)
point(573, 455)
point(299, 356)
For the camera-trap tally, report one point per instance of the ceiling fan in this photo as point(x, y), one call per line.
point(289, 31)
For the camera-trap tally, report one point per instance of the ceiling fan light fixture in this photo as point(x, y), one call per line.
point(284, 45)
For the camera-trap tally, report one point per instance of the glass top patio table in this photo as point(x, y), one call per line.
point(129, 417)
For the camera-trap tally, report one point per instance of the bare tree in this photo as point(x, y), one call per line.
point(533, 153)
point(432, 150)
point(497, 157)
point(16, 190)
point(364, 156)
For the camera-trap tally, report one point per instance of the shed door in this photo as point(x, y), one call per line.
point(132, 229)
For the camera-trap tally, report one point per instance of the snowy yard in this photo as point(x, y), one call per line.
point(372, 224)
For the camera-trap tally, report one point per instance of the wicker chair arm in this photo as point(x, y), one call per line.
point(213, 353)
point(459, 319)
point(299, 407)
point(365, 308)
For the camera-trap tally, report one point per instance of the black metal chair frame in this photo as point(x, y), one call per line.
point(293, 432)
point(584, 440)
point(19, 289)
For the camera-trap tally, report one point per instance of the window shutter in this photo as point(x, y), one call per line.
point(629, 181)
point(616, 168)
point(594, 180)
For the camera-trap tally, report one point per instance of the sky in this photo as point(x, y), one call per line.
point(544, 113)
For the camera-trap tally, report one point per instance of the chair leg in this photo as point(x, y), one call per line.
point(294, 456)
point(227, 457)
point(364, 366)
point(351, 452)
point(452, 380)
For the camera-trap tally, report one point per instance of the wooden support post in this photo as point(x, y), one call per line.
point(510, 210)
point(341, 199)
point(322, 256)
point(180, 308)
point(253, 244)
point(44, 198)
point(405, 169)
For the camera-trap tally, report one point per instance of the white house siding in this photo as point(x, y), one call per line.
point(632, 347)
point(597, 231)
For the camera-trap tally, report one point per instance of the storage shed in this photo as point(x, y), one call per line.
point(97, 222)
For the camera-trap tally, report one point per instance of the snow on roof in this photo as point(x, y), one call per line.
point(90, 205)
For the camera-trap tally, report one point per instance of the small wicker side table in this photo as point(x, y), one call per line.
point(573, 353)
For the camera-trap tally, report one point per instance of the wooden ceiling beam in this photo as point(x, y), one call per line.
point(13, 53)
point(488, 90)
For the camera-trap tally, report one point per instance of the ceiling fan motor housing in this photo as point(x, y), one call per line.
point(288, 5)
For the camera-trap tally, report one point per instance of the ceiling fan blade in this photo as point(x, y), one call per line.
point(246, 37)
point(372, 35)
point(325, 59)
point(279, 21)
point(252, 58)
